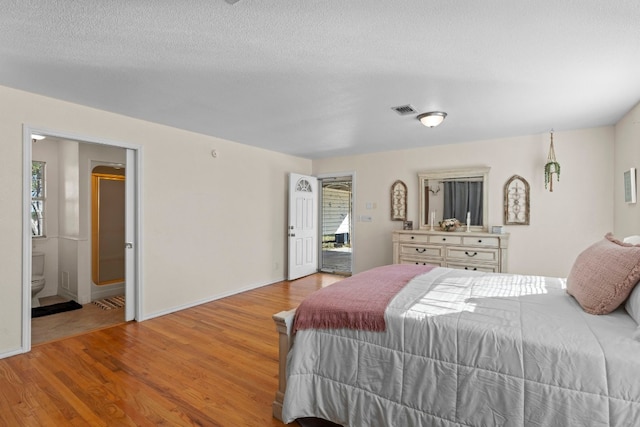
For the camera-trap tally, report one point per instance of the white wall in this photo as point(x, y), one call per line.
point(47, 152)
point(212, 226)
point(627, 155)
point(68, 219)
point(577, 213)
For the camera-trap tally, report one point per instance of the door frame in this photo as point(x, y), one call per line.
point(352, 238)
point(135, 287)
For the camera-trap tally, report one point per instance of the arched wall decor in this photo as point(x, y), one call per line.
point(398, 201)
point(516, 201)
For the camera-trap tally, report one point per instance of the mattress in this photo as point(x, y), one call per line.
point(465, 348)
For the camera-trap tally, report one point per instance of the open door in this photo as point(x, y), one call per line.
point(303, 225)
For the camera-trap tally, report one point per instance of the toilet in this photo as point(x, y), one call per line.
point(37, 277)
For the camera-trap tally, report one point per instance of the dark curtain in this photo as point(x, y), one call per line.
point(461, 197)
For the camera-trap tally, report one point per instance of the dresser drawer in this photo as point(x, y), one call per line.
point(472, 255)
point(487, 242)
point(443, 239)
point(413, 238)
point(421, 251)
point(409, 260)
point(474, 267)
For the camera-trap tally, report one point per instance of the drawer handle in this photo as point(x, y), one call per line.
point(444, 239)
point(472, 269)
point(470, 255)
point(412, 237)
point(479, 240)
point(421, 251)
point(424, 263)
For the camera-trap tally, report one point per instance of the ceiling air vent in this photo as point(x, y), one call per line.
point(403, 110)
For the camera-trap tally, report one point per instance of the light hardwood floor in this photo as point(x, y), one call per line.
point(212, 365)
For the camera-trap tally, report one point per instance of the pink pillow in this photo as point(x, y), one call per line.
point(604, 274)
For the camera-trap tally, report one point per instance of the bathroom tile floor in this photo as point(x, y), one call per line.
point(61, 325)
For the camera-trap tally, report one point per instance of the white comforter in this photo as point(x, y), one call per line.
point(472, 349)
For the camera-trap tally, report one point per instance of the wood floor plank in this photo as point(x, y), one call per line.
point(47, 406)
point(211, 365)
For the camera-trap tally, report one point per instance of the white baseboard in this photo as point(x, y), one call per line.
point(66, 294)
point(111, 291)
point(10, 353)
point(206, 300)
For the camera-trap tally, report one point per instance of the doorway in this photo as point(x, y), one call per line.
point(70, 246)
point(336, 228)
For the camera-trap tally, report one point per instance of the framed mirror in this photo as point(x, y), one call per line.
point(454, 193)
point(107, 225)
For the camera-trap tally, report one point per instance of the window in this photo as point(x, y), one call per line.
point(304, 185)
point(37, 199)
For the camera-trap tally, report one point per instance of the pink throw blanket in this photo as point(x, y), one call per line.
point(358, 302)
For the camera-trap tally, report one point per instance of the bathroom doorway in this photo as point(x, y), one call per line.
point(69, 241)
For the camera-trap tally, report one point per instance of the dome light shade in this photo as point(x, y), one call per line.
point(432, 118)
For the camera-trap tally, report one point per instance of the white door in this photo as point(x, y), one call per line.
point(130, 237)
point(303, 220)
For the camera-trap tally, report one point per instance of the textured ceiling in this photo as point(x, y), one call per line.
point(318, 78)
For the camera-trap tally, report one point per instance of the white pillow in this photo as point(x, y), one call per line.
point(633, 303)
point(634, 240)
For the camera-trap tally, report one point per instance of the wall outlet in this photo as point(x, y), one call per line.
point(366, 218)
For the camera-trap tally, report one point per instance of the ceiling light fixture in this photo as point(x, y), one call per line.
point(37, 137)
point(432, 118)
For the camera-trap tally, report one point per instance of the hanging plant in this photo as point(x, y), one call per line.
point(551, 167)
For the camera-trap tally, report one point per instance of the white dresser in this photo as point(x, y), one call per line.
point(469, 251)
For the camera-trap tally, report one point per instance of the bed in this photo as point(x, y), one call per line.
point(464, 348)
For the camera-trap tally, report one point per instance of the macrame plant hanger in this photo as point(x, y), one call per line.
point(552, 166)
